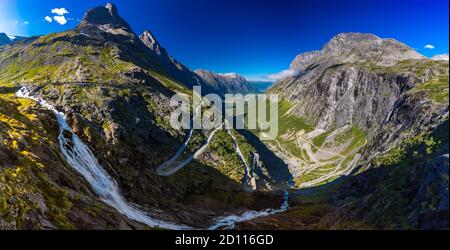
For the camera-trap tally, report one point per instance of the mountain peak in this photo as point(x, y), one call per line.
point(105, 15)
point(355, 37)
point(7, 39)
point(111, 7)
point(4, 39)
point(352, 47)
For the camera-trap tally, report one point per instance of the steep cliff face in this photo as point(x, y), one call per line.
point(365, 81)
point(355, 80)
point(360, 95)
point(230, 83)
point(398, 101)
point(38, 189)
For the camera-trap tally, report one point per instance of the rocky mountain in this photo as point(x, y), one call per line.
point(367, 107)
point(86, 141)
point(107, 19)
point(114, 90)
point(172, 66)
point(334, 75)
point(230, 83)
point(357, 48)
point(4, 39)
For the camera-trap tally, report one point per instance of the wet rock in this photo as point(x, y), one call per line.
point(67, 134)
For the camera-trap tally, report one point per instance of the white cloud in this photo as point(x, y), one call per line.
point(283, 74)
point(48, 19)
point(60, 11)
point(26, 23)
point(429, 46)
point(60, 19)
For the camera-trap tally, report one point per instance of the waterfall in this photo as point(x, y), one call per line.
point(81, 158)
point(391, 112)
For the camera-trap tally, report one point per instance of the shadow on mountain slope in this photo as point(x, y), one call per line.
point(278, 170)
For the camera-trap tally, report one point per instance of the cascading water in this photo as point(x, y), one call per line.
point(247, 170)
point(81, 158)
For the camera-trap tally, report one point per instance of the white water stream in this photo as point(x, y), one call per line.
point(229, 222)
point(81, 158)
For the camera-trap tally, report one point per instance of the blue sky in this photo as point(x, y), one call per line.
point(255, 38)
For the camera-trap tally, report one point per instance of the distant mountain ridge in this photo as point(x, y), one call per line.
point(441, 57)
point(6, 39)
point(261, 86)
point(231, 83)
